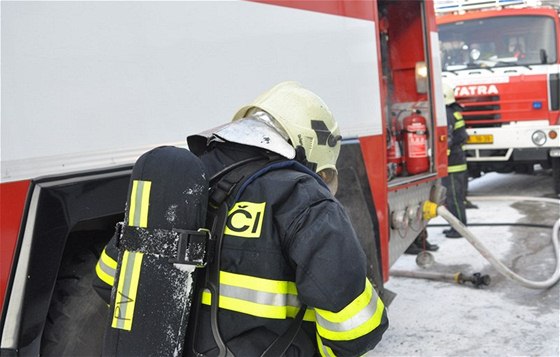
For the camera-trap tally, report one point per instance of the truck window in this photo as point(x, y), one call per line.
point(498, 41)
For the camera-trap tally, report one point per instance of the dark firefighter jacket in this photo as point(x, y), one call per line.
point(287, 242)
point(456, 138)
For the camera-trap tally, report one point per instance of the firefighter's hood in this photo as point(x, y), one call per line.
point(246, 131)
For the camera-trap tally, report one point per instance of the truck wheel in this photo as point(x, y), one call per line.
point(474, 173)
point(556, 174)
point(76, 319)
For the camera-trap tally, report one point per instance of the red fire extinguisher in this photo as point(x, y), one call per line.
point(415, 143)
point(394, 152)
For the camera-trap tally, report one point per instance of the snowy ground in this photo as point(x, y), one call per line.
point(440, 318)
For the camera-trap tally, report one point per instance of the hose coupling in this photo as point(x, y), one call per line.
point(429, 210)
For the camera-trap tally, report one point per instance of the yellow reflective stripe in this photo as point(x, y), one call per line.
point(458, 115)
point(247, 307)
point(267, 298)
point(360, 317)
point(257, 309)
point(350, 310)
point(106, 268)
point(457, 168)
point(308, 316)
point(132, 208)
point(139, 203)
point(361, 330)
point(107, 260)
point(276, 299)
point(325, 351)
point(105, 277)
point(459, 124)
point(260, 284)
point(125, 300)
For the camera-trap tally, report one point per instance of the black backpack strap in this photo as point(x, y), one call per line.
point(223, 185)
point(213, 276)
point(282, 342)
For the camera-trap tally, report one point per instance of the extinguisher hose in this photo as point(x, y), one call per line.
point(502, 269)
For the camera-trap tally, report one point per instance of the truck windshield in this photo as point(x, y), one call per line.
point(498, 41)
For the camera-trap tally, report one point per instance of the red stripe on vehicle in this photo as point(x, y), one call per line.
point(364, 10)
point(377, 175)
point(12, 202)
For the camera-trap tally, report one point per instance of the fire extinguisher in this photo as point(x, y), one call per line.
point(415, 143)
point(394, 152)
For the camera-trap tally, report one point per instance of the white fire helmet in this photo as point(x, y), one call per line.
point(305, 118)
point(448, 94)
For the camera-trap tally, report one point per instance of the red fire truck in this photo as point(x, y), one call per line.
point(87, 87)
point(502, 57)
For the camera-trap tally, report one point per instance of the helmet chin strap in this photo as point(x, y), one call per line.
point(302, 159)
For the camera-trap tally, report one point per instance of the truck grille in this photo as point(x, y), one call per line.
point(479, 110)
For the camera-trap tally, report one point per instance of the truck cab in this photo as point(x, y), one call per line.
point(502, 58)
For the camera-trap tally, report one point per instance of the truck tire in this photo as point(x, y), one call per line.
point(556, 174)
point(76, 318)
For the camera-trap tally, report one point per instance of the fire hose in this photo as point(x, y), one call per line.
point(431, 210)
point(476, 279)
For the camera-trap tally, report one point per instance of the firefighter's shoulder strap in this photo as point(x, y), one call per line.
point(222, 186)
point(231, 182)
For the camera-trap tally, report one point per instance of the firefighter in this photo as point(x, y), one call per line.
point(288, 245)
point(456, 180)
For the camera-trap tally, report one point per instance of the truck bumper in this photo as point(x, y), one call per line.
point(514, 143)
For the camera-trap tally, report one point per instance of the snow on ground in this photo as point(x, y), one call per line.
point(441, 318)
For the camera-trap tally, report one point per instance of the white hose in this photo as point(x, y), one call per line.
point(458, 225)
point(514, 198)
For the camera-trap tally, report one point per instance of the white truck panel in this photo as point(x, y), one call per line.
point(94, 84)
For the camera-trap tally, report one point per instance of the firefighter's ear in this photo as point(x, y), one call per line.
point(330, 177)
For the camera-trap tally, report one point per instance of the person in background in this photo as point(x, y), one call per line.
point(421, 244)
point(456, 180)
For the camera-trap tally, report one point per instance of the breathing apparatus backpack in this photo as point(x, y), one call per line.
point(167, 256)
point(160, 245)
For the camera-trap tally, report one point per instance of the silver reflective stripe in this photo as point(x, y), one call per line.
point(138, 208)
point(125, 295)
point(292, 300)
point(106, 268)
point(258, 297)
point(355, 321)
